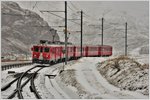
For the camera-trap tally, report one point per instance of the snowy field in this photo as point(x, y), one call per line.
point(80, 79)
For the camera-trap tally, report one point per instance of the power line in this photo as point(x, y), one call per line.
point(74, 6)
point(70, 8)
point(74, 22)
point(84, 11)
point(90, 16)
point(60, 16)
point(34, 5)
point(53, 14)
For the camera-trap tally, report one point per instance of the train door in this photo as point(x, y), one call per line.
point(74, 52)
point(99, 53)
point(41, 53)
point(86, 51)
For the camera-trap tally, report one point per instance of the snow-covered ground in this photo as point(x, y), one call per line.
point(80, 79)
point(6, 78)
point(94, 85)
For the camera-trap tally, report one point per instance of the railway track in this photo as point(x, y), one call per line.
point(21, 84)
point(19, 88)
point(32, 86)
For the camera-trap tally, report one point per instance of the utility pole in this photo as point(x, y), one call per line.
point(81, 29)
point(102, 30)
point(126, 45)
point(66, 51)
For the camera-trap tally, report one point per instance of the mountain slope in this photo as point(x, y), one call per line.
point(22, 28)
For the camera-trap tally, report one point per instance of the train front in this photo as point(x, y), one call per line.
point(40, 54)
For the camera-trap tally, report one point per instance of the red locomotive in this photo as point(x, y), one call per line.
point(47, 54)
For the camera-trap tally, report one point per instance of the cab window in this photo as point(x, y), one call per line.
point(46, 49)
point(36, 49)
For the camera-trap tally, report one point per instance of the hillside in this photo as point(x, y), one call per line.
point(21, 29)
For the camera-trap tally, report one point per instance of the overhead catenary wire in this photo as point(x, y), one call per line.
point(34, 5)
point(73, 11)
point(90, 17)
point(71, 8)
point(54, 14)
point(83, 12)
point(85, 15)
point(74, 6)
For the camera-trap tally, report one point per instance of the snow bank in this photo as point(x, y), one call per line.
point(68, 77)
point(126, 74)
point(83, 78)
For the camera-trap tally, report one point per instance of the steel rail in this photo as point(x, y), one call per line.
point(19, 84)
point(33, 88)
point(9, 84)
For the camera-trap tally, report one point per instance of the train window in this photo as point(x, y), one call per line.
point(46, 49)
point(93, 49)
point(78, 49)
point(105, 49)
point(36, 49)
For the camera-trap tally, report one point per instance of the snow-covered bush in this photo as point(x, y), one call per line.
point(126, 73)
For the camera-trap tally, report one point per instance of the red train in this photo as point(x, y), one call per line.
point(47, 54)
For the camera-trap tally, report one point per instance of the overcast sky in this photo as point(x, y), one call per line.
point(139, 10)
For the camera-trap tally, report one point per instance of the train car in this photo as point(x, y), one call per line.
point(92, 51)
point(47, 54)
point(97, 51)
point(105, 50)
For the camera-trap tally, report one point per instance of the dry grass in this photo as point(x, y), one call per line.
point(126, 73)
point(145, 66)
point(122, 58)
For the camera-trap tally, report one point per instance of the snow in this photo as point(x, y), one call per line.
point(6, 78)
point(80, 79)
point(94, 84)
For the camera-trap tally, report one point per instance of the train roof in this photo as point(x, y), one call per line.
point(54, 45)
